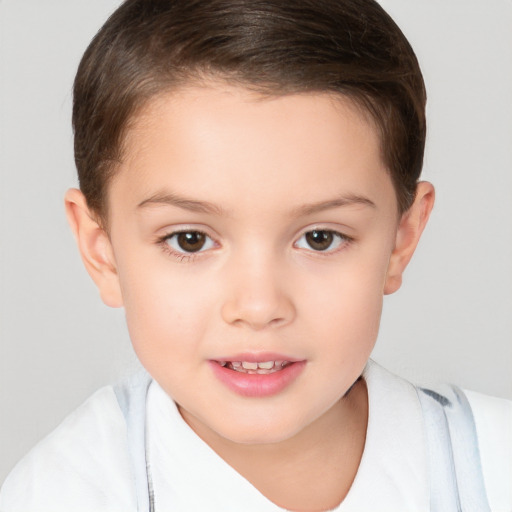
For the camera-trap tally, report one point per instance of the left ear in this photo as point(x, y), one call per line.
point(411, 226)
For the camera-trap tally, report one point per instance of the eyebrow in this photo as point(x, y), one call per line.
point(192, 205)
point(344, 200)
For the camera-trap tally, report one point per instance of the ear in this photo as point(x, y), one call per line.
point(411, 226)
point(95, 248)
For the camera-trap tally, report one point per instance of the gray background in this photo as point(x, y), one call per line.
point(452, 319)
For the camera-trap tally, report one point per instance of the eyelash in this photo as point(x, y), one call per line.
point(184, 257)
point(343, 241)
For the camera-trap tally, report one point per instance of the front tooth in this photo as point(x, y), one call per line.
point(250, 366)
point(267, 365)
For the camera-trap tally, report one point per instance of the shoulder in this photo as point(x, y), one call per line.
point(493, 421)
point(480, 436)
point(492, 425)
point(82, 465)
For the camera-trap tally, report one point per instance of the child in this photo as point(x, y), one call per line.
point(249, 192)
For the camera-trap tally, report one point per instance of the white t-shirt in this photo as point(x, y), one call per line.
point(84, 464)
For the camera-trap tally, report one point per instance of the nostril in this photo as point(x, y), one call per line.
point(277, 321)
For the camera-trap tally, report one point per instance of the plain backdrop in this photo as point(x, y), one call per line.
point(452, 319)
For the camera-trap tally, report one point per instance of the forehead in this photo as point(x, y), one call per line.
point(223, 143)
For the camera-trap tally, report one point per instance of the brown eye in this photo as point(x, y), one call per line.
point(189, 241)
point(319, 240)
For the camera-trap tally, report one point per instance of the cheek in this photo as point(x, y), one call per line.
point(348, 309)
point(352, 319)
point(167, 312)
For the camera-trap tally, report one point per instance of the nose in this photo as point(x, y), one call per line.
point(258, 295)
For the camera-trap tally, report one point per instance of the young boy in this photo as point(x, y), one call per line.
point(249, 192)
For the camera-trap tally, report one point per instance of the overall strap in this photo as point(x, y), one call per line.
point(456, 479)
point(131, 396)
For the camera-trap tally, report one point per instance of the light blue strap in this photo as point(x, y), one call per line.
point(466, 453)
point(131, 396)
point(444, 495)
point(456, 479)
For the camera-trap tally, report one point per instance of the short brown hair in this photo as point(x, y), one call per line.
point(350, 47)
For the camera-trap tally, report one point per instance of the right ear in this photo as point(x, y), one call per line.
point(95, 248)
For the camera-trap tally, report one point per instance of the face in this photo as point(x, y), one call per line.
point(251, 230)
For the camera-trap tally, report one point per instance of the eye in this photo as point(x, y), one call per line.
point(321, 240)
point(189, 241)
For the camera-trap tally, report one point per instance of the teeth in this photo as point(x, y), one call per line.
point(250, 366)
point(263, 367)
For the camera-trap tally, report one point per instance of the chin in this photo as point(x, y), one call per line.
point(258, 434)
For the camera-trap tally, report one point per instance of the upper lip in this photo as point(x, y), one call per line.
point(258, 357)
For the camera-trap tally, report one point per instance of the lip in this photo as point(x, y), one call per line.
point(256, 357)
point(257, 385)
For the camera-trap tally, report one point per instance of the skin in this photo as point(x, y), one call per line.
point(257, 285)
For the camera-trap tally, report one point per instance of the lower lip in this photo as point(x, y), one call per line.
point(257, 385)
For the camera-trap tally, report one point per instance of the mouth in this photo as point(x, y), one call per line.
point(262, 375)
point(255, 367)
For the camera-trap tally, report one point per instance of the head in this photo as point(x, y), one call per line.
point(249, 192)
point(147, 48)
